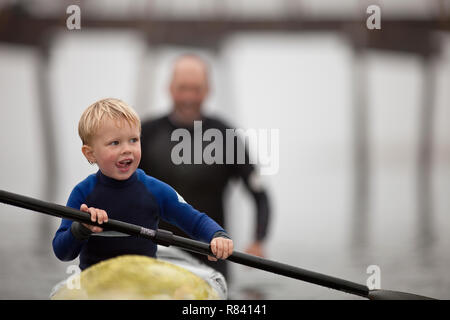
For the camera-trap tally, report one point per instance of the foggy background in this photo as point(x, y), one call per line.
point(354, 188)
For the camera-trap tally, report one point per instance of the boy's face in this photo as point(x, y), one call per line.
point(116, 148)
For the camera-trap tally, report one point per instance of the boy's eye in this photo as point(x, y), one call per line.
point(114, 143)
point(133, 140)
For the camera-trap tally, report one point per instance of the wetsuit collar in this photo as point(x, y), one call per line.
point(177, 124)
point(116, 183)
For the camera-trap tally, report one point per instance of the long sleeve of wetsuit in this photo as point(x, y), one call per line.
point(66, 246)
point(175, 210)
point(248, 173)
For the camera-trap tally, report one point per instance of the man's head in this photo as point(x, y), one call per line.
point(110, 131)
point(189, 88)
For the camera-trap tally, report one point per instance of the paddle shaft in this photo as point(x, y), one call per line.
point(166, 238)
point(274, 267)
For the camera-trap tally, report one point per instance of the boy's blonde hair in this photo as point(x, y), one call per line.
point(109, 108)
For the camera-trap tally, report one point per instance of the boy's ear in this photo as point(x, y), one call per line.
point(88, 153)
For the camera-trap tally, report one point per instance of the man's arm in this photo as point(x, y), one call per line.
point(252, 181)
point(261, 199)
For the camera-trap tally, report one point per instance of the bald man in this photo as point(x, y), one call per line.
point(201, 185)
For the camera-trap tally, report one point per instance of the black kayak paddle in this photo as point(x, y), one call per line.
point(167, 238)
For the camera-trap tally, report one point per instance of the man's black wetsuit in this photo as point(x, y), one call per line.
point(201, 185)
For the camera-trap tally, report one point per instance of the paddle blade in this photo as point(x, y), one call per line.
point(394, 295)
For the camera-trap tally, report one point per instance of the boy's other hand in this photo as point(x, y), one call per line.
point(96, 215)
point(221, 247)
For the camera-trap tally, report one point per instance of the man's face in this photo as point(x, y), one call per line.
point(116, 148)
point(189, 89)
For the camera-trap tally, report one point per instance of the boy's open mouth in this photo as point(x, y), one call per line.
point(124, 165)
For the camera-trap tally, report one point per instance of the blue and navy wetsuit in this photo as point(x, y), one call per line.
point(140, 200)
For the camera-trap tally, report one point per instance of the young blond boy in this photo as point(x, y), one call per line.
point(110, 132)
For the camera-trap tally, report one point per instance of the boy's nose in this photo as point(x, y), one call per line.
point(126, 149)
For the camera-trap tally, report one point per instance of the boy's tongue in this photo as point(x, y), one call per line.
point(124, 164)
